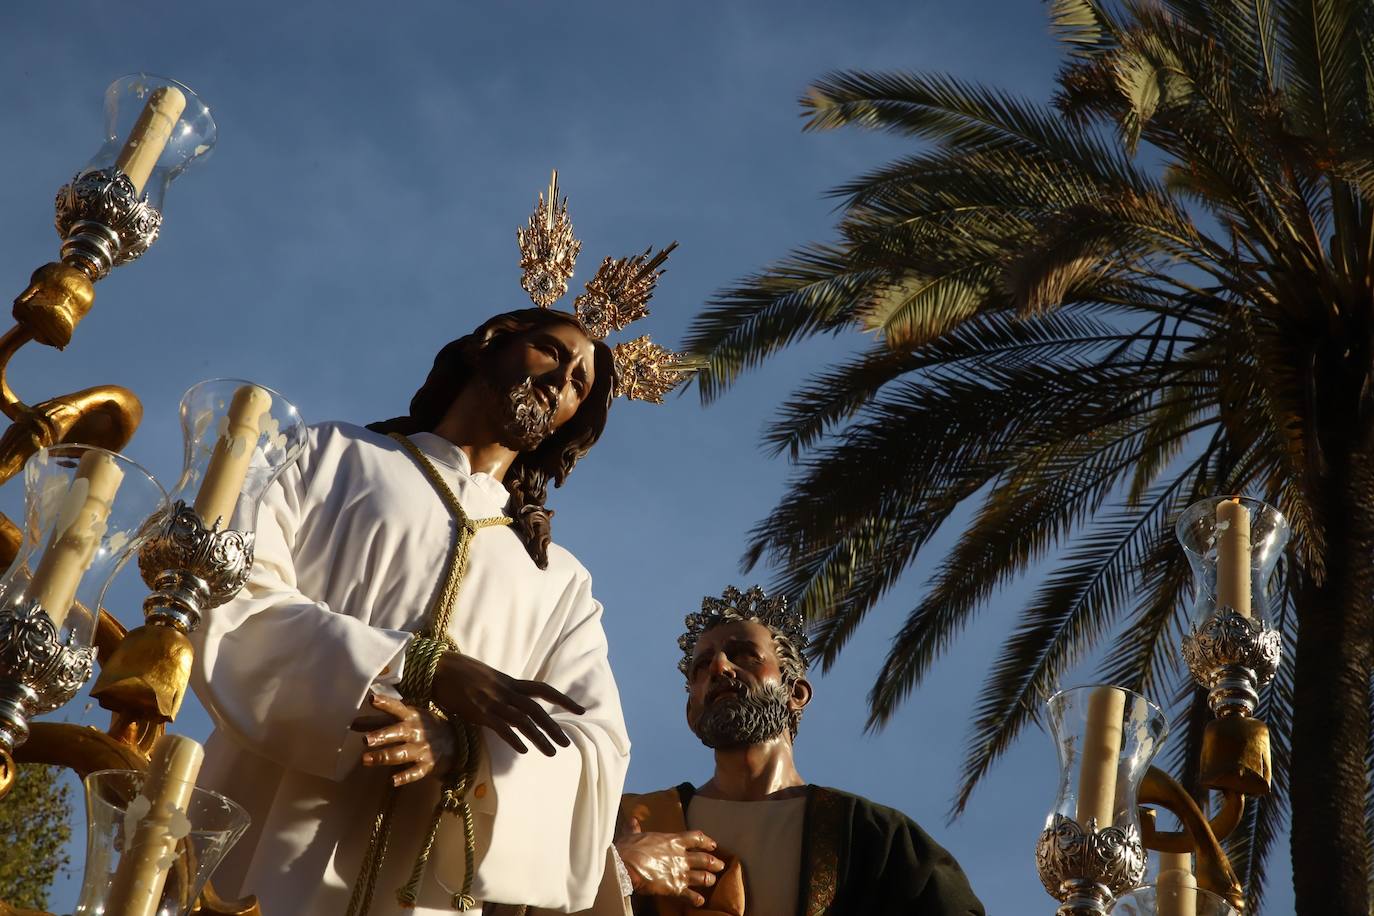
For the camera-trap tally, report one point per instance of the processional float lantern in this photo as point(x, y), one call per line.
point(1091, 854)
point(153, 837)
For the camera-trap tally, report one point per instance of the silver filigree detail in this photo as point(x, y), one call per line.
point(191, 568)
point(1233, 656)
point(1230, 638)
point(103, 222)
point(1086, 869)
point(38, 673)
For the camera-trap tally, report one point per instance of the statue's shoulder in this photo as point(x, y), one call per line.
point(336, 451)
point(338, 434)
point(334, 441)
point(563, 562)
point(863, 811)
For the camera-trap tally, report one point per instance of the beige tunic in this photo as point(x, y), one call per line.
point(767, 838)
point(351, 544)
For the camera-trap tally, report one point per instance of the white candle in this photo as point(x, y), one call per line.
point(160, 820)
point(219, 491)
point(1176, 888)
point(1233, 556)
point(80, 526)
point(1101, 752)
point(150, 135)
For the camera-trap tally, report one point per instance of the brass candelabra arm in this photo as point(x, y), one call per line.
point(1199, 836)
point(56, 299)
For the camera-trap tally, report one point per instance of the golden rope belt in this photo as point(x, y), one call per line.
point(421, 662)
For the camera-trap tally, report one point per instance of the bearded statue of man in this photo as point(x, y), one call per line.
point(755, 839)
point(409, 633)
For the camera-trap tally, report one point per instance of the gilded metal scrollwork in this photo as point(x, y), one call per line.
point(103, 224)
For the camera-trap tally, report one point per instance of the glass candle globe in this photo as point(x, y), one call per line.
point(233, 427)
point(1232, 648)
point(1152, 900)
point(196, 840)
point(70, 509)
point(86, 513)
point(189, 140)
point(1201, 535)
point(1090, 850)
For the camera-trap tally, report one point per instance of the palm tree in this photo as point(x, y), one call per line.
point(1083, 317)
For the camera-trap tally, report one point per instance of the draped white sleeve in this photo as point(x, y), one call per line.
point(281, 672)
point(532, 796)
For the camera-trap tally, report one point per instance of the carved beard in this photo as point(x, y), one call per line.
point(733, 722)
point(525, 422)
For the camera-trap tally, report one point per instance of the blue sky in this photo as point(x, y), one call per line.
point(360, 210)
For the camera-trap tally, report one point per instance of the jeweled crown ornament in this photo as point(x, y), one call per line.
point(617, 295)
point(750, 605)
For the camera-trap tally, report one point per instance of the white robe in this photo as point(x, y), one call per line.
point(352, 542)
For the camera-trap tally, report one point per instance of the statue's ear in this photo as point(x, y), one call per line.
point(801, 694)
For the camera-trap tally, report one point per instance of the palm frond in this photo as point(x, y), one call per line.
point(1085, 25)
point(1073, 609)
point(834, 396)
point(816, 290)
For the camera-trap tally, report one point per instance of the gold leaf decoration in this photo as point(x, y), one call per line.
point(548, 250)
point(620, 291)
point(645, 371)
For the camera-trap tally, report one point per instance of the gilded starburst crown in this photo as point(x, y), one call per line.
point(788, 626)
point(617, 295)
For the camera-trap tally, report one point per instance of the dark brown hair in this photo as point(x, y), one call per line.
point(553, 460)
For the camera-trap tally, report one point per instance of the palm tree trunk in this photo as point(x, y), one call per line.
point(1331, 702)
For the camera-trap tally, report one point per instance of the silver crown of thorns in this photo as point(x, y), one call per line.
point(733, 606)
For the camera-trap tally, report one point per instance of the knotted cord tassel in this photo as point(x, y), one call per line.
point(451, 800)
point(361, 899)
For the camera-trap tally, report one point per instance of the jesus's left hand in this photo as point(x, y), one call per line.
point(416, 739)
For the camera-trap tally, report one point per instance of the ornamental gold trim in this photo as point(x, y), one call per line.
point(620, 292)
point(548, 250)
point(645, 371)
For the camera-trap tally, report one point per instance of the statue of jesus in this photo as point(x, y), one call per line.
point(413, 655)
